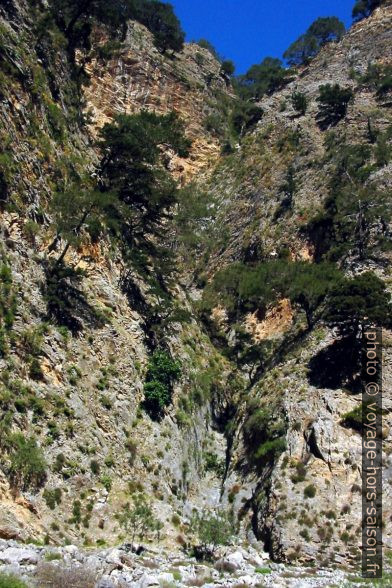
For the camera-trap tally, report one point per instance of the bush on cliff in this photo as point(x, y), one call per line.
point(28, 465)
point(160, 19)
point(333, 103)
point(162, 371)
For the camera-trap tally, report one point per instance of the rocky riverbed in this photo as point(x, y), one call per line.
point(121, 567)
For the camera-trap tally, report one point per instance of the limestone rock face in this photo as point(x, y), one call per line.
point(140, 77)
point(84, 407)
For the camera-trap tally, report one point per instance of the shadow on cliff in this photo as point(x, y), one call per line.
point(337, 366)
point(66, 301)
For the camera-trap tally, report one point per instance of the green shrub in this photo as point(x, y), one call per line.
point(345, 537)
point(253, 288)
point(106, 482)
point(333, 103)
point(299, 102)
point(106, 402)
point(132, 448)
point(53, 430)
point(263, 435)
point(355, 418)
point(162, 371)
point(59, 462)
point(245, 116)
point(110, 49)
point(161, 20)
point(214, 464)
point(227, 68)
point(138, 520)
point(263, 570)
point(35, 371)
point(271, 449)
point(52, 497)
point(212, 529)
point(300, 474)
point(183, 419)
point(205, 44)
point(310, 491)
point(109, 461)
point(8, 171)
point(28, 465)
point(356, 302)
point(215, 123)
point(56, 120)
point(157, 397)
point(8, 305)
point(321, 31)
point(11, 581)
point(263, 78)
point(76, 512)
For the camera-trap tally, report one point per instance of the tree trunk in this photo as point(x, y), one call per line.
point(77, 230)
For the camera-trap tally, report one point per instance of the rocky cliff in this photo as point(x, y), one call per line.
point(80, 393)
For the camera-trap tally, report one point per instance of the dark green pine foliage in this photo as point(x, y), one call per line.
point(263, 78)
point(357, 302)
point(133, 168)
point(76, 19)
point(77, 209)
point(27, 463)
point(321, 32)
point(364, 8)
point(264, 434)
point(205, 44)
point(160, 19)
point(333, 104)
point(299, 102)
point(228, 67)
point(241, 288)
point(245, 116)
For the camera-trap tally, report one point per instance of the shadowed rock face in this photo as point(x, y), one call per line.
point(91, 385)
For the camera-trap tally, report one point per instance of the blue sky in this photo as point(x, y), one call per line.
point(246, 31)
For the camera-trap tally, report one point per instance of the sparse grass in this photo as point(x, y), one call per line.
point(58, 576)
point(52, 556)
point(263, 570)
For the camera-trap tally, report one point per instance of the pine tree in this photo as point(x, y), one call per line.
point(356, 302)
point(78, 209)
point(263, 78)
point(320, 32)
point(364, 8)
point(333, 103)
point(133, 167)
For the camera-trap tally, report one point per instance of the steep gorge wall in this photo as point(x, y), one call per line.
point(305, 382)
point(92, 384)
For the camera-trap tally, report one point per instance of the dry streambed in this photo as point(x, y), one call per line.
point(72, 567)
